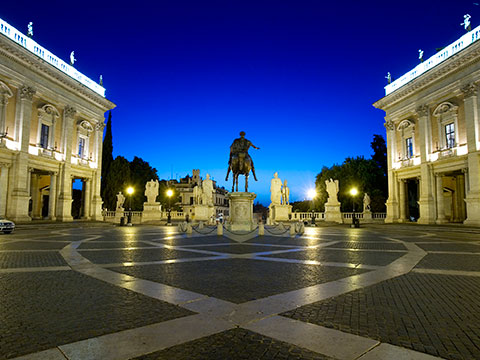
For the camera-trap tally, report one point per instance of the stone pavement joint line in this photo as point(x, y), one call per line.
point(216, 315)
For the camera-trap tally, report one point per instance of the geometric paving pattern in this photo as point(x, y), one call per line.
point(149, 292)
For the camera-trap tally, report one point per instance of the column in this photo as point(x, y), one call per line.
point(392, 203)
point(34, 192)
point(86, 198)
point(4, 169)
point(5, 94)
point(440, 199)
point(472, 199)
point(460, 197)
point(426, 201)
point(97, 202)
point(403, 200)
point(52, 198)
point(64, 199)
point(17, 208)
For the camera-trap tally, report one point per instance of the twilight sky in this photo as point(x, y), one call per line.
point(299, 76)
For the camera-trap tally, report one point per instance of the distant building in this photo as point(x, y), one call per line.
point(433, 137)
point(51, 129)
point(185, 186)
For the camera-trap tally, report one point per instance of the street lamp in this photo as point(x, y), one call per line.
point(130, 191)
point(311, 194)
point(353, 192)
point(169, 217)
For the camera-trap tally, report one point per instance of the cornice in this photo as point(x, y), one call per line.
point(457, 62)
point(21, 56)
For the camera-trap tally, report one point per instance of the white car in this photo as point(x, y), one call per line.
point(6, 226)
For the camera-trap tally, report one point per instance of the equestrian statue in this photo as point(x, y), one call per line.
point(240, 162)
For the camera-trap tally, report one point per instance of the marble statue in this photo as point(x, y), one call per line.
point(389, 77)
point(466, 22)
point(30, 29)
point(151, 191)
point(197, 195)
point(207, 188)
point(72, 58)
point(366, 202)
point(285, 194)
point(101, 80)
point(120, 201)
point(420, 55)
point(276, 190)
point(332, 190)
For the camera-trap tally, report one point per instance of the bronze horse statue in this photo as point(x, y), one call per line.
point(239, 165)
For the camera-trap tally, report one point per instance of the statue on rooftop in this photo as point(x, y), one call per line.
point(30, 29)
point(466, 22)
point(420, 55)
point(389, 77)
point(72, 58)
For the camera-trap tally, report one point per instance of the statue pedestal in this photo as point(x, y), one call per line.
point(280, 212)
point(241, 211)
point(333, 213)
point(152, 212)
point(202, 212)
point(367, 216)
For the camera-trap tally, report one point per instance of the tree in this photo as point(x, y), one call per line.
point(117, 179)
point(107, 159)
point(380, 152)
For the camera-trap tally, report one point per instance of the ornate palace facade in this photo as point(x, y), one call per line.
point(433, 138)
point(51, 129)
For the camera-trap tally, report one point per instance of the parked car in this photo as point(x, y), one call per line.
point(6, 226)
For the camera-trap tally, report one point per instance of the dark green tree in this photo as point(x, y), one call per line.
point(107, 159)
point(380, 152)
point(117, 179)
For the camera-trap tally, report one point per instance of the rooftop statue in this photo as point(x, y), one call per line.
point(30, 29)
point(420, 55)
point(72, 58)
point(466, 22)
point(389, 78)
point(240, 162)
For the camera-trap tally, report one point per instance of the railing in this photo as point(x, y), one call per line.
point(379, 216)
point(307, 215)
point(349, 215)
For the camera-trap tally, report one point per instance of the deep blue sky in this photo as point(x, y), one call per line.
point(298, 76)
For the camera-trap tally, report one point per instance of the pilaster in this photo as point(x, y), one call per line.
point(392, 203)
point(52, 199)
point(4, 170)
point(441, 219)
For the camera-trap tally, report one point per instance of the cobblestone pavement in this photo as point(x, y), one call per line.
point(96, 291)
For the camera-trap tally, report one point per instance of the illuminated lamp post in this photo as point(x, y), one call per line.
point(169, 210)
point(311, 194)
point(130, 192)
point(353, 192)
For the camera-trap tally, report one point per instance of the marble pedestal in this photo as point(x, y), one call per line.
point(333, 213)
point(241, 211)
point(367, 216)
point(152, 212)
point(280, 212)
point(202, 212)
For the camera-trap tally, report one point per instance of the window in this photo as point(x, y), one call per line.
point(44, 136)
point(409, 147)
point(81, 147)
point(450, 135)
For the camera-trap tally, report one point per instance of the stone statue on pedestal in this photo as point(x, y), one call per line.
point(332, 190)
point(285, 194)
point(207, 188)
point(120, 201)
point(366, 202)
point(276, 190)
point(151, 191)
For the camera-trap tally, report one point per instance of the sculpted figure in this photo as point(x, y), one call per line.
point(332, 190)
point(197, 195)
point(285, 194)
point(72, 58)
point(466, 22)
point(276, 190)
point(207, 187)
point(240, 161)
point(366, 202)
point(151, 191)
point(120, 201)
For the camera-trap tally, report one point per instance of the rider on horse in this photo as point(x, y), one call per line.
point(239, 148)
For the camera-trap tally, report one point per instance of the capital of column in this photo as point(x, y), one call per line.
point(422, 110)
point(4, 99)
point(100, 126)
point(470, 90)
point(389, 125)
point(438, 174)
point(464, 170)
point(5, 165)
point(54, 173)
point(27, 92)
point(69, 111)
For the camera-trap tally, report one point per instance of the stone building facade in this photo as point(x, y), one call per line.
point(51, 130)
point(433, 138)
